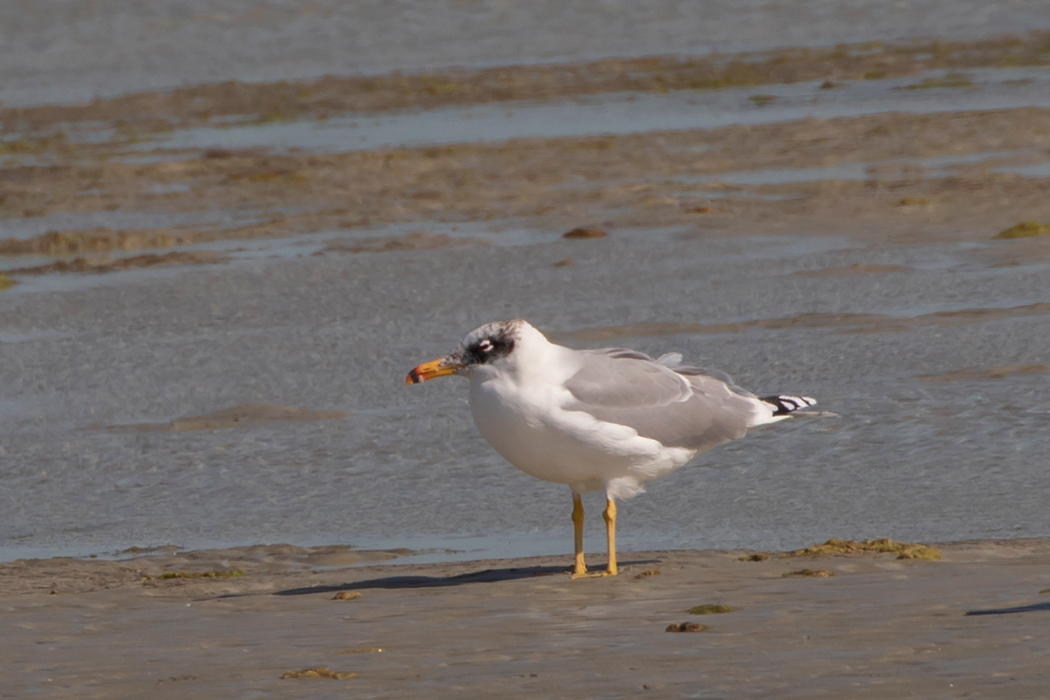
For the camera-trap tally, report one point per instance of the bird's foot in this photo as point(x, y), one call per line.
point(593, 574)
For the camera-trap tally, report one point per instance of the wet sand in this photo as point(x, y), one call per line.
point(106, 160)
point(873, 626)
point(661, 179)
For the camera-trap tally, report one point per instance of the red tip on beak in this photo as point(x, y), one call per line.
point(430, 370)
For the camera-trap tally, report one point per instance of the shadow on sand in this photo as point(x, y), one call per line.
point(400, 582)
point(1034, 607)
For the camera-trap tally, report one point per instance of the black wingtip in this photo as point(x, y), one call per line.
point(783, 405)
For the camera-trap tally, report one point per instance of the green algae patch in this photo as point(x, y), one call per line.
point(267, 176)
point(1025, 229)
point(6, 282)
point(319, 672)
point(198, 574)
point(903, 550)
point(584, 232)
point(55, 141)
point(445, 88)
point(104, 264)
point(1045, 590)
point(912, 202)
point(346, 595)
point(757, 556)
point(809, 573)
point(685, 627)
point(710, 609)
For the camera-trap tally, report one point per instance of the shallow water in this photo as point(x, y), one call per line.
point(619, 114)
point(941, 166)
point(906, 456)
point(408, 469)
point(1032, 170)
point(28, 227)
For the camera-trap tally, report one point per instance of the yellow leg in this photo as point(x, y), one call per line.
point(610, 531)
point(577, 526)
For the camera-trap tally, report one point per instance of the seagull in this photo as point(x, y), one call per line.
point(596, 420)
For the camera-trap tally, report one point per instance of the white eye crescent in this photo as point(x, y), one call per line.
point(485, 345)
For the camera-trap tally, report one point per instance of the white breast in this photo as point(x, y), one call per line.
point(530, 429)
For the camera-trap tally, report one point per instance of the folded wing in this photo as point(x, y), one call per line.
point(678, 406)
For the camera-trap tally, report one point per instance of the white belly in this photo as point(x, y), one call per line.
point(532, 432)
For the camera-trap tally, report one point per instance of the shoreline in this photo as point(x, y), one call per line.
point(141, 112)
point(282, 560)
point(867, 625)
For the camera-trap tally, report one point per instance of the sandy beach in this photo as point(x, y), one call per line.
point(866, 626)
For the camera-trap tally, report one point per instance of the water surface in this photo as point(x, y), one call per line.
point(618, 114)
point(72, 51)
point(338, 332)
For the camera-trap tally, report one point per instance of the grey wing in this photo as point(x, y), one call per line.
point(674, 361)
point(679, 406)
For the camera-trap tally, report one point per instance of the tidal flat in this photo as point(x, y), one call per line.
point(210, 295)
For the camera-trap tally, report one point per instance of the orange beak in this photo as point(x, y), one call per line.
point(430, 370)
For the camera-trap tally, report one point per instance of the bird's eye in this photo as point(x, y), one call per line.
point(485, 345)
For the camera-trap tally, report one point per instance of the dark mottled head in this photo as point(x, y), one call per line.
point(490, 342)
point(482, 346)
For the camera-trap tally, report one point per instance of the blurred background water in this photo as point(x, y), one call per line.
point(70, 50)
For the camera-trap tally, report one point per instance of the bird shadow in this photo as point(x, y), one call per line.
point(404, 582)
point(1034, 607)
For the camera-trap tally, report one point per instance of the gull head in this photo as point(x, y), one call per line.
point(487, 349)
